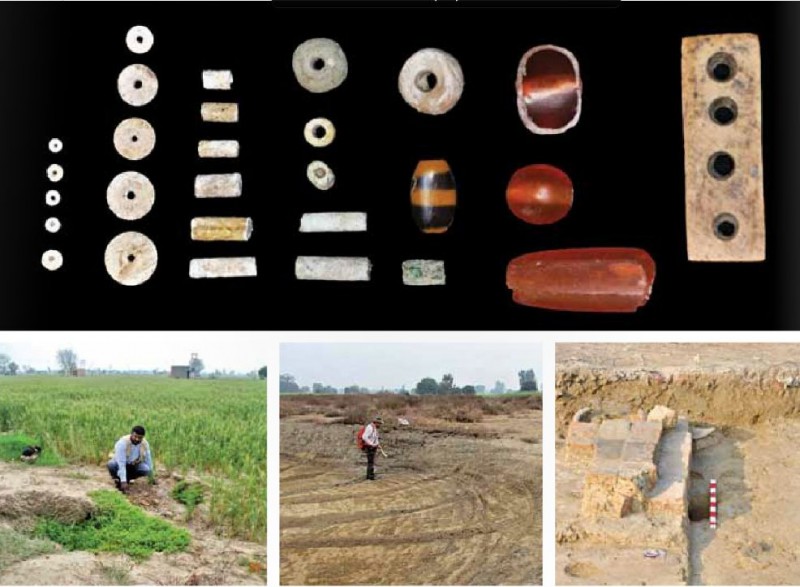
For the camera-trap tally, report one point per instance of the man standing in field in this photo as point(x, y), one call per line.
point(372, 443)
point(132, 459)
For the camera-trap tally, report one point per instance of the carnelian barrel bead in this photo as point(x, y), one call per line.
point(583, 280)
point(539, 194)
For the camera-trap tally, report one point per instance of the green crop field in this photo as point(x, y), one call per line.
point(214, 428)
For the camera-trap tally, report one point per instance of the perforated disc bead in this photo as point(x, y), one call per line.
point(139, 39)
point(319, 132)
point(52, 198)
point(431, 81)
point(319, 65)
point(130, 195)
point(137, 84)
point(52, 224)
point(131, 258)
point(52, 260)
point(55, 172)
point(134, 138)
point(320, 175)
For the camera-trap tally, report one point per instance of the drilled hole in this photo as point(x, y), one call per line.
point(725, 226)
point(134, 139)
point(131, 258)
point(318, 63)
point(721, 165)
point(319, 132)
point(140, 39)
point(426, 81)
point(130, 195)
point(722, 67)
point(138, 84)
point(723, 111)
point(319, 172)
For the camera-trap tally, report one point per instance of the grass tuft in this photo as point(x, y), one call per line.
point(189, 494)
point(15, 547)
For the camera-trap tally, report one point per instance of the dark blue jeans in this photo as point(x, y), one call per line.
point(133, 471)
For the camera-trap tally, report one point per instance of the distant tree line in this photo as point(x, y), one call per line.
point(67, 360)
point(447, 386)
point(426, 386)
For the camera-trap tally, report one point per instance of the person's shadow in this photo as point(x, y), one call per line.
point(716, 457)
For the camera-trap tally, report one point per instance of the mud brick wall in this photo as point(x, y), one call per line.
point(623, 471)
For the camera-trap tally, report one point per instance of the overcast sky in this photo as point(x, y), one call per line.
point(392, 365)
point(242, 352)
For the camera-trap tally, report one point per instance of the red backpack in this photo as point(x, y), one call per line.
point(360, 438)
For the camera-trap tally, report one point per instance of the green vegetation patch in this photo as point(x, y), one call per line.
point(189, 494)
point(11, 446)
point(213, 428)
point(15, 547)
point(117, 526)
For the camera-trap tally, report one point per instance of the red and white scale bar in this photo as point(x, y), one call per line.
point(712, 504)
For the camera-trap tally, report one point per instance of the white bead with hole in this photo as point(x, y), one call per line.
point(333, 222)
point(55, 172)
point(52, 198)
point(221, 228)
point(217, 79)
point(319, 65)
point(52, 260)
point(131, 258)
point(320, 175)
point(134, 138)
point(137, 85)
point(218, 149)
point(319, 132)
point(219, 112)
point(222, 267)
point(139, 39)
point(55, 145)
point(218, 185)
point(333, 268)
point(52, 224)
point(130, 195)
point(431, 81)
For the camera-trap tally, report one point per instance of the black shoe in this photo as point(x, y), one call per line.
point(118, 484)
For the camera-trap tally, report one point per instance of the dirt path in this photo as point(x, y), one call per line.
point(210, 560)
point(446, 509)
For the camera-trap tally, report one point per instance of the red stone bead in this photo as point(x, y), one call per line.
point(549, 90)
point(583, 280)
point(539, 194)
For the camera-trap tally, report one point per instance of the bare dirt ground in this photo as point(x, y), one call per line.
point(210, 560)
point(453, 503)
point(751, 393)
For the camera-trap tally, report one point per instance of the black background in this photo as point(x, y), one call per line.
point(59, 64)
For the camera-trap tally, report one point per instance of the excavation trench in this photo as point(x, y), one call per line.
point(742, 398)
point(742, 407)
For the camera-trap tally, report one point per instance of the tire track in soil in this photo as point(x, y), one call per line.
point(476, 519)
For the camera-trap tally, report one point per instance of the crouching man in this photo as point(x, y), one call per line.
point(132, 459)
